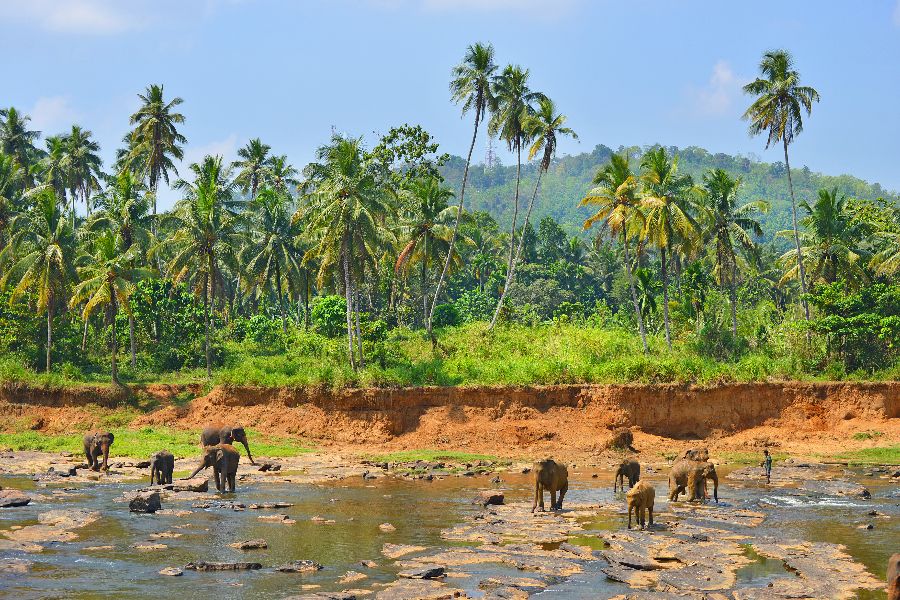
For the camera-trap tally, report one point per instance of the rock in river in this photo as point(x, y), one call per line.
point(429, 572)
point(489, 497)
point(11, 498)
point(222, 566)
point(171, 572)
point(300, 566)
point(259, 544)
point(145, 502)
point(197, 484)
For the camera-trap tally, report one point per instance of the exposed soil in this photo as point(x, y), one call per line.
point(568, 421)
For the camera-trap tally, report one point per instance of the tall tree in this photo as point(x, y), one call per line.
point(543, 126)
point(18, 141)
point(730, 227)
point(81, 164)
point(280, 175)
point(53, 166)
point(470, 87)
point(45, 245)
point(155, 138)
point(11, 178)
point(667, 203)
point(254, 159)
point(617, 197)
point(778, 112)
point(107, 282)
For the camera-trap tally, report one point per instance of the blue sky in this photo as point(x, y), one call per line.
point(635, 72)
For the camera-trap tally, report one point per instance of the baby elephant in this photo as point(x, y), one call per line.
point(640, 498)
point(553, 476)
point(162, 464)
point(893, 577)
point(96, 444)
point(630, 469)
point(223, 458)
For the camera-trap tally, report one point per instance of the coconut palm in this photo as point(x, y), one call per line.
point(668, 203)
point(280, 175)
point(18, 141)
point(53, 166)
point(45, 244)
point(347, 204)
point(543, 126)
point(254, 160)
point(426, 230)
point(617, 197)
point(272, 257)
point(778, 112)
point(205, 236)
point(81, 164)
point(155, 138)
point(831, 243)
point(11, 178)
point(470, 87)
point(730, 227)
point(107, 281)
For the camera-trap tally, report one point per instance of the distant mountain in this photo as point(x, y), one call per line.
point(570, 177)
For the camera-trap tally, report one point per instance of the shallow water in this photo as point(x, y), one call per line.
point(418, 510)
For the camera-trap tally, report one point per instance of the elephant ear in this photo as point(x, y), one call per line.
point(220, 454)
point(111, 438)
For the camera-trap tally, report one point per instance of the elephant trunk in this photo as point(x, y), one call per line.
point(154, 470)
point(247, 446)
point(199, 468)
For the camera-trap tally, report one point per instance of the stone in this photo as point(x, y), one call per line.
point(428, 572)
point(223, 566)
point(273, 518)
point(197, 484)
point(171, 572)
point(149, 547)
point(13, 498)
point(258, 544)
point(387, 527)
point(14, 566)
point(145, 502)
point(352, 577)
point(300, 566)
point(369, 564)
point(326, 596)
point(395, 551)
point(418, 589)
point(489, 497)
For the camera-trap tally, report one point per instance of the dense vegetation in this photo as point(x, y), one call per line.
point(368, 266)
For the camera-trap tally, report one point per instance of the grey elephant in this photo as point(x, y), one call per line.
point(553, 476)
point(630, 469)
point(96, 444)
point(162, 464)
point(223, 458)
point(690, 476)
point(220, 433)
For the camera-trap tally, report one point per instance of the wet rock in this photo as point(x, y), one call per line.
point(387, 527)
point(267, 466)
point(274, 518)
point(165, 535)
point(418, 589)
point(352, 577)
point(300, 566)
point(525, 584)
point(145, 502)
point(270, 505)
point(54, 526)
point(837, 487)
point(395, 551)
point(258, 544)
point(13, 498)
point(489, 497)
point(197, 484)
point(97, 548)
point(327, 596)
point(14, 566)
point(171, 572)
point(149, 547)
point(223, 566)
point(171, 512)
point(369, 564)
point(431, 572)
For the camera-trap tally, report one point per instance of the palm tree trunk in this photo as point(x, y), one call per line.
point(349, 300)
point(84, 336)
point(459, 212)
point(361, 358)
point(802, 270)
point(665, 286)
point(206, 301)
point(280, 298)
point(511, 274)
point(131, 341)
point(512, 237)
point(634, 298)
point(733, 293)
point(49, 331)
point(305, 299)
point(425, 286)
point(115, 345)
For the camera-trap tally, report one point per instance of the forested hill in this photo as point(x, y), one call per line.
point(570, 177)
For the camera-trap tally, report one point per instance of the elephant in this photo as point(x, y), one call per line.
point(640, 498)
point(223, 458)
point(893, 577)
point(701, 454)
point(553, 476)
point(162, 464)
point(630, 469)
point(97, 443)
point(219, 433)
point(690, 476)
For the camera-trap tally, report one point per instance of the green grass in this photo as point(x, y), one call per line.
point(885, 455)
point(431, 455)
point(867, 435)
point(141, 443)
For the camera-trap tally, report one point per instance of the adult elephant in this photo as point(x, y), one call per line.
point(630, 469)
point(97, 443)
point(690, 476)
point(220, 433)
point(223, 458)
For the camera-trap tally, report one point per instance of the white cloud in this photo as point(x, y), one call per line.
point(52, 115)
point(716, 98)
point(73, 16)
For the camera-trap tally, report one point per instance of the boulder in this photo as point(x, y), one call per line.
point(427, 572)
point(489, 497)
point(145, 502)
point(222, 566)
point(197, 484)
point(387, 527)
point(250, 545)
point(171, 572)
point(299, 566)
point(11, 498)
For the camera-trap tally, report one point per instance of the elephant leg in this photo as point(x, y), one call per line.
point(216, 477)
point(650, 510)
point(629, 515)
point(552, 498)
point(231, 482)
point(539, 496)
point(154, 477)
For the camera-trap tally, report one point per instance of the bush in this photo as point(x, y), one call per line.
point(259, 329)
point(329, 315)
point(475, 305)
point(446, 315)
point(719, 342)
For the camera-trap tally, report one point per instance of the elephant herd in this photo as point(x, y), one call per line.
point(217, 452)
point(689, 475)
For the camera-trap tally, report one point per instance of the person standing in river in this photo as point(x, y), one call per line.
point(767, 465)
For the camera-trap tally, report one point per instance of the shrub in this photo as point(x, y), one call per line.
point(446, 315)
point(329, 315)
point(474, 305)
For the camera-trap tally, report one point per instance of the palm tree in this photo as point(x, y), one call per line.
point(17, 140)
point(107, 281)
point(831, 242)
point(205, 234)
point(426, 230)
point(667, 205)
point(272, 256)
point(543, 126)
point(346, 210)
point(471, 87)
point(127, 215)
point(616, 195)
point(11, 178)
point(512, 104)
point(280, 175)
point(155, 138)
point(778, 112)
point(254, 160)
point(81, 164)
point(46, 245)
point(730, 227)
point(53, 166)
